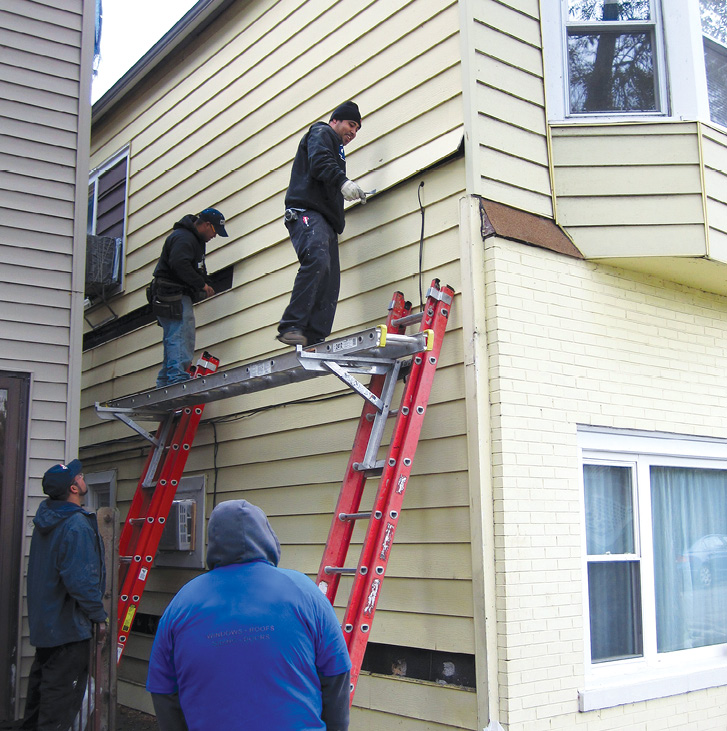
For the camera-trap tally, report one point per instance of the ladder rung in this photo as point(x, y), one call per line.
point(137, 520)
point(376, 468)
point(353, 516)
point(339, 570)
point(392, 412)
point(126, 559)
point(408, 320)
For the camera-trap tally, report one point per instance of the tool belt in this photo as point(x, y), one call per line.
point(164, 300)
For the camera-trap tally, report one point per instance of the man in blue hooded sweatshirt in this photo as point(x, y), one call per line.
point(66, 580)
point(248, 645)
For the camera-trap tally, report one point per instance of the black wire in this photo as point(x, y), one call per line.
point(421, 245)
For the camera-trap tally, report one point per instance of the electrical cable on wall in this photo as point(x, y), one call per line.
point(421, 245)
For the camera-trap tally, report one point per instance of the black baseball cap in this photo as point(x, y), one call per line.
point(216, 219)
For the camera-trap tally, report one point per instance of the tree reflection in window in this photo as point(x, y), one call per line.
point(714, 27)
point(611, 56)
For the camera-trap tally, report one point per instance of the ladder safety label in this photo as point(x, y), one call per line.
point(142, 574)
point(386, 545)
point(129, 619)
point(344, 344)
point(401, 484)
point(371, 601)
point(261, 369)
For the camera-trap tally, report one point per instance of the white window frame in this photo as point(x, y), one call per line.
point(100, 482)
point(655, 675)
point(93, 178)
point(680, 65)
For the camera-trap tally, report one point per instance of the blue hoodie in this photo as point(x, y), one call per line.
point(66, 575)
point(249, 645)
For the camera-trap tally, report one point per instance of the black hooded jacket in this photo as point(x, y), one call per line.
point(319, 171)
point(181, 266)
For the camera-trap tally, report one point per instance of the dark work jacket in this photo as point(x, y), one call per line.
point(182, 261)
point(319, 171)
point(66, 575)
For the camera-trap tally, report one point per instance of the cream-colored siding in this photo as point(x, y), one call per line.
point(44, 91)
point(714, 151)
point(222, 129)
point(630, 188)
point(575, 343)
point(508, 141)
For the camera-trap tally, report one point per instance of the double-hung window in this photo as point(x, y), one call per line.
point(655, 565)
point(106, 227)
point(614, 56)
point(617, 60)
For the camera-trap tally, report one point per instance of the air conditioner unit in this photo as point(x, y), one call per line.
point(179, 532)
point(103, 266)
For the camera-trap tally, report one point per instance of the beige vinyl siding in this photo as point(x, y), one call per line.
point(43, 132)
point(509, 135)
point(714, 151)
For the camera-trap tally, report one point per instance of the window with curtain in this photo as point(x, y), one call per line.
point(713, 14)
point(613, 56)
point(656, 545)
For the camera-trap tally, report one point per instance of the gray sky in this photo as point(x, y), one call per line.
point(130, 28)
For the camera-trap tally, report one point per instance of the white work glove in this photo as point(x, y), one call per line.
point(353, 192)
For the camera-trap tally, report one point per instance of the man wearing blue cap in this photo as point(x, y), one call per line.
point(180, 279)
point(66, 580)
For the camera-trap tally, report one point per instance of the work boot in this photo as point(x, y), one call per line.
point(293, 337)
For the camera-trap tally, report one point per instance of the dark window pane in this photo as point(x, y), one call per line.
point(593, 10)
point(614, 604)
point(611, 72)
point(111, 199)
point(715, 60)
point(609, 509)
point(89, 217)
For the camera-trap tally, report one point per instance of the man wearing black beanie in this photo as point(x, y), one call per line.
point(314, 217)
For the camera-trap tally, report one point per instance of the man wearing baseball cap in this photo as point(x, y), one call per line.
point(66, 580)
point(314, 217)
point(180, 279)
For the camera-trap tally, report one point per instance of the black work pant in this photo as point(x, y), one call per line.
point(56, 686)
point(315, 290)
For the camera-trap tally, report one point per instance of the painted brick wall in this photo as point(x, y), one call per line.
point(572, 342)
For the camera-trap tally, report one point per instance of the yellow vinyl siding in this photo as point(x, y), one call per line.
point(238, 145)
point(222, 128)
point(509, 136)
point(714, 151)
point(630, 189)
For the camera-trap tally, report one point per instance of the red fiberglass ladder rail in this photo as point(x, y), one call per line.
point(394, 470)
point(152, 502)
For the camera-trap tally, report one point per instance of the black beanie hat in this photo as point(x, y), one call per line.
point(347, 110)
